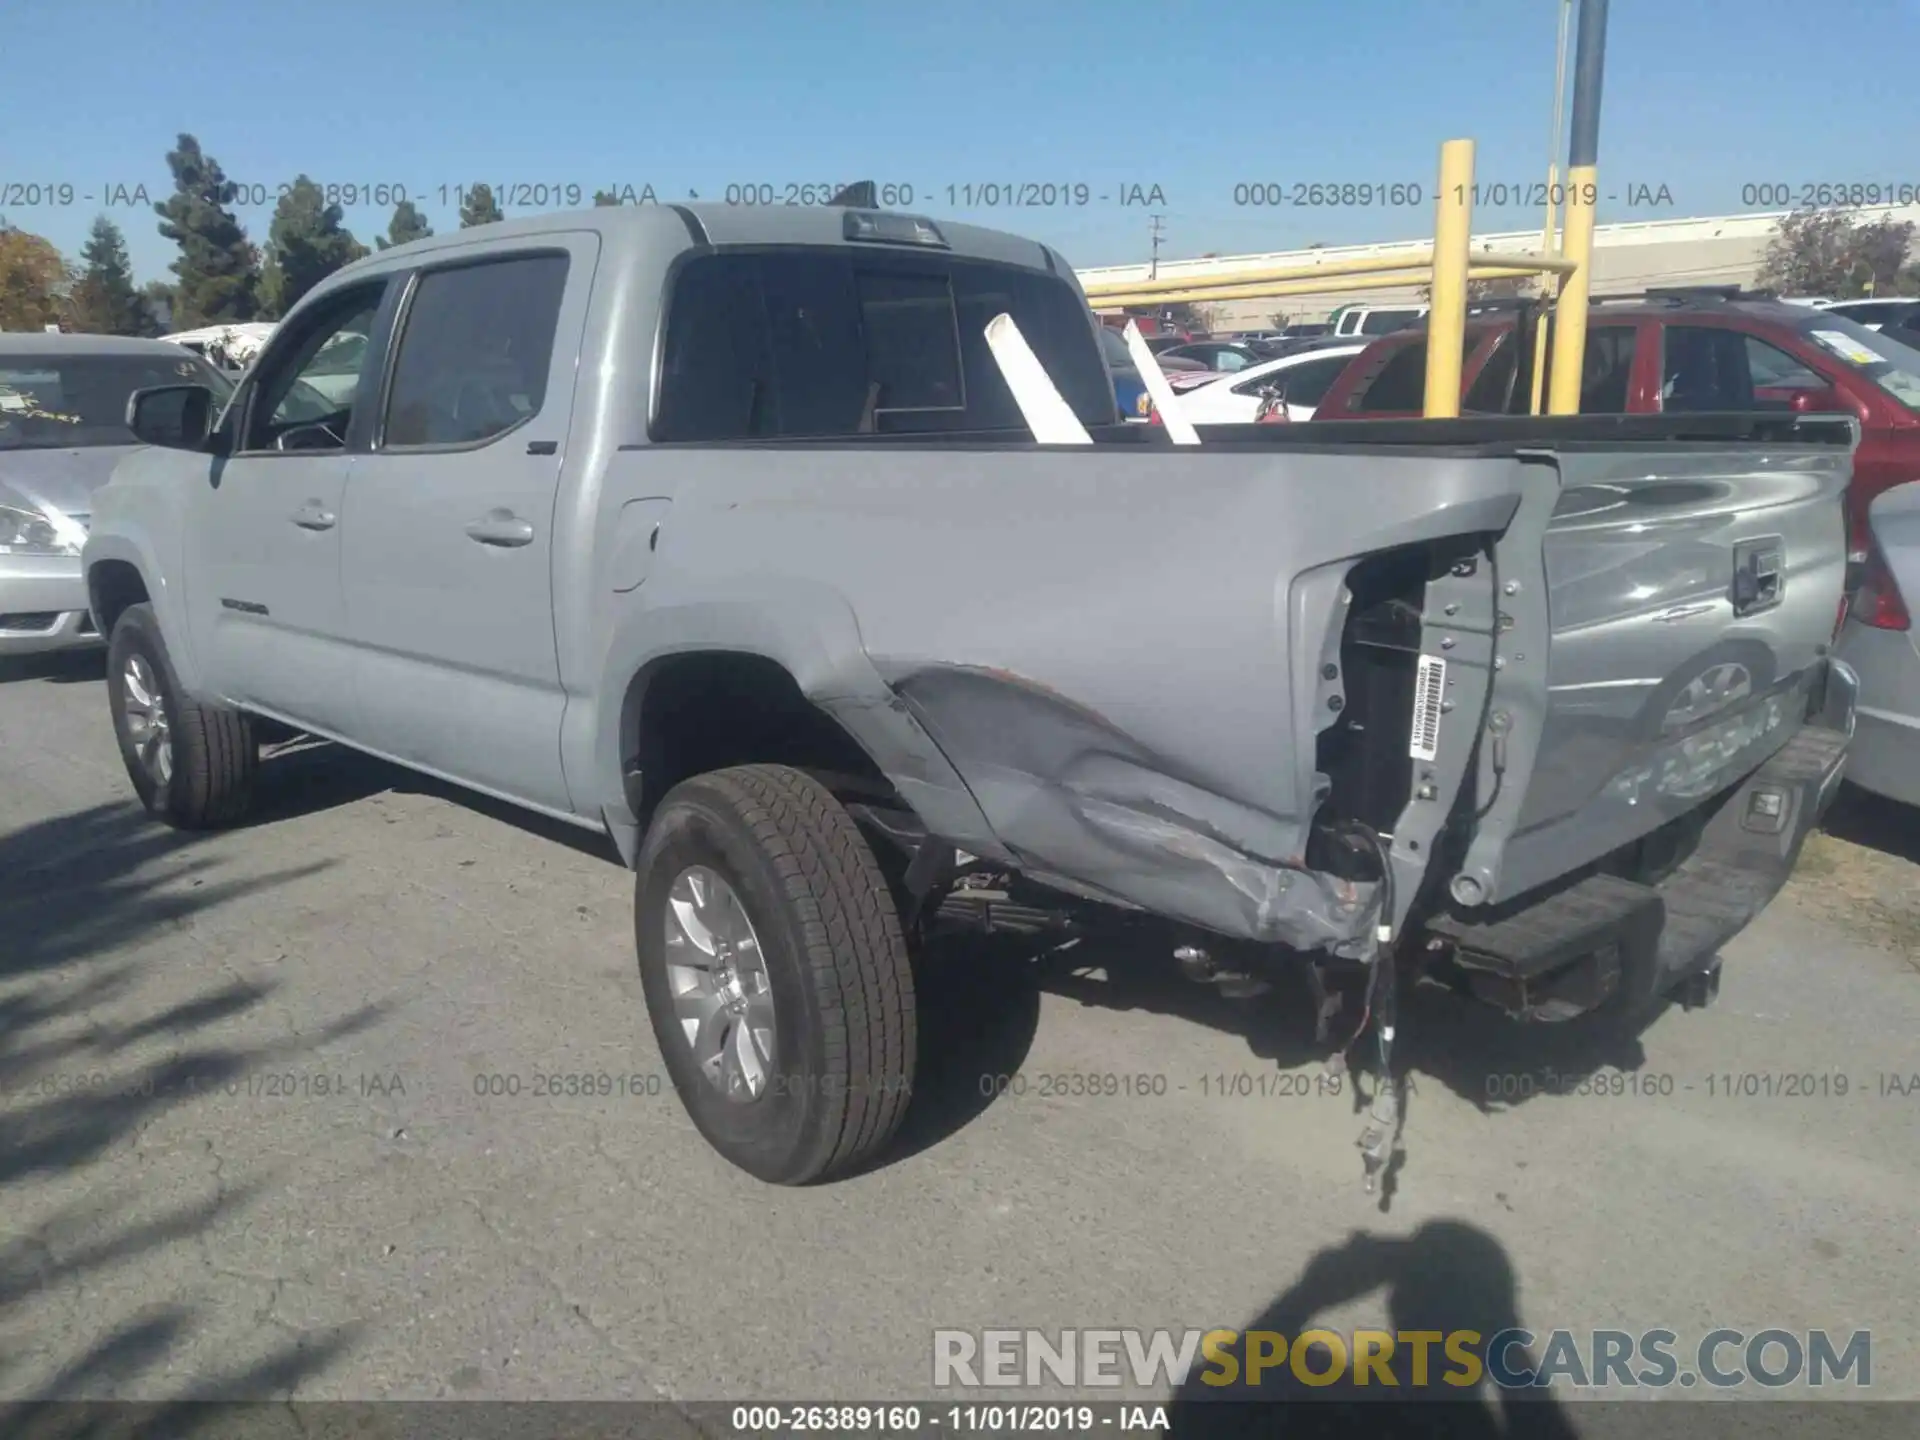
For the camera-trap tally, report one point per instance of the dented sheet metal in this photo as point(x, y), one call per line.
point(1063, 786)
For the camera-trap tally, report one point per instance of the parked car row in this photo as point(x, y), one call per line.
point(1669, 351)
point(63, 411)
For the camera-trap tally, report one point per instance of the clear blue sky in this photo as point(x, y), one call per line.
point(1703, 97)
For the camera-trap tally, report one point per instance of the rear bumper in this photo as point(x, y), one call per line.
point(1610, 940)
point(43, 605)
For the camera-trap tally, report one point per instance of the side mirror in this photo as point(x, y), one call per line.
point(175, 417)
point(1822, 400)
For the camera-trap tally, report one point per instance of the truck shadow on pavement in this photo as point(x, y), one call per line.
point(1863, 818)
point(86, 1067)
point(1446, 1277)
point(977, 999)
point(62, 667)
point(305, 775)
point(1472, 1050)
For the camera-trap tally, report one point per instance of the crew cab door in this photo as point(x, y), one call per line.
point(263, 551)
point(447, 549)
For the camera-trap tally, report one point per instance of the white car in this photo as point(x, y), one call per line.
point(1234, 399)
point(1376, 320)
point(231, 347)
point(1874, 314)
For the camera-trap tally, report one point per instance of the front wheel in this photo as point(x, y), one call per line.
point(775, 973)
point(191, 764)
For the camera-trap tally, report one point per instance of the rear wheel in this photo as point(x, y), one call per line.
point(775, 973)
point(191, 764)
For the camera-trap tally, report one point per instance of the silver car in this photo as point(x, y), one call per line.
point(1879, 642)
point(63, 406)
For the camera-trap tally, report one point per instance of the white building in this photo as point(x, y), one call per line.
point(1718, 250)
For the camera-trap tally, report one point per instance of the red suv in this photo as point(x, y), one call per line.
point(1679, 351)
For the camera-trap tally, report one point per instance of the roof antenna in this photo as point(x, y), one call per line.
point(861, 195)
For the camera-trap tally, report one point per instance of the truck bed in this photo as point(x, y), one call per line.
point(1169, 676)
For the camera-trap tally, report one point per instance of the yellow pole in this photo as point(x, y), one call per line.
point(1281, 289)
point(1447, 310)
point(1570, 310)
point(1583, 191)
point(1368, 265)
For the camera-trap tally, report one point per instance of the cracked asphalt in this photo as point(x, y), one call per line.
point(360, 1101)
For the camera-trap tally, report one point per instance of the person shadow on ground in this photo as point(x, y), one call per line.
point(1447, 1276)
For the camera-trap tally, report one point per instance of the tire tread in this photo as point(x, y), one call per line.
point(855, 949)
point(215, 752)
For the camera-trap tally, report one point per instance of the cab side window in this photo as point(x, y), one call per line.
point(304, 394)
point(1400, 385)
point(474, 351)
point(1708, 368)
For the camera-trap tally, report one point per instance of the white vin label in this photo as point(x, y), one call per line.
point(1429, 686)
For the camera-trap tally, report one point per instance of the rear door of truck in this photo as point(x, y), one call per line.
point(448, 523)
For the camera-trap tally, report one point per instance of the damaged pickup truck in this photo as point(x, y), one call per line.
point(725, 531)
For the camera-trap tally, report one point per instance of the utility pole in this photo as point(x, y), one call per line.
point(1153, 270)
point(1570, 311)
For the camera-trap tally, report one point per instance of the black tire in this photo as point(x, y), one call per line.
point(214, 753)
point(830, 938)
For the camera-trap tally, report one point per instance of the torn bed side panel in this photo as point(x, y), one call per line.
point(1062, 786)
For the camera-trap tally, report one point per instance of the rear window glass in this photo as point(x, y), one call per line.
point(828, 342)
point(1401, 383)
point(1492, 389)
point(1306, 383)
point(1385, 322)
point(53, 401)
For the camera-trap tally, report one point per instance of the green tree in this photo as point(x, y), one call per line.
point(105, 299)
point(34, 280)
point(479, 208)
point(605, 197)
point(305, 244)
point(158, 297)
point(1829, 252)
point(408, 224)
point(218, 271)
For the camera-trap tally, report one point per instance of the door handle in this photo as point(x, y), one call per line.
point(314, 516)
point(501, 527)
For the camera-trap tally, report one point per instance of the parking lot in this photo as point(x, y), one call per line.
point(360, 1101)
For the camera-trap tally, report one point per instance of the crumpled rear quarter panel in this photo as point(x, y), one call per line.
point(1120, 654)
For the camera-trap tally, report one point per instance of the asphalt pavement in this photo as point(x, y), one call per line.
point(360, 1101)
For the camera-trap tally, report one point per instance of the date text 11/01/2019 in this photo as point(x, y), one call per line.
point(570, 195)
point(1399, 194)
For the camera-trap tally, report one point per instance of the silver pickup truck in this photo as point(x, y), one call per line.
point(719, 530)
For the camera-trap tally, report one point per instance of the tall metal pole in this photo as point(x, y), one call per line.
point(1547, 237)
point(1570, 314)
point(1447, 306)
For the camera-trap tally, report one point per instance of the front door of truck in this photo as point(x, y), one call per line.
point(447, 550)
point(263, 586)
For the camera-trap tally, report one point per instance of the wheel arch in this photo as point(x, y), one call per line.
point(801, 651)
point(121, 571)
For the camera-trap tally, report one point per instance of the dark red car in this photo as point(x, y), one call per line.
point(1677, 351)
